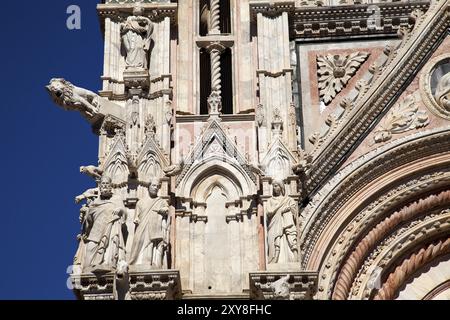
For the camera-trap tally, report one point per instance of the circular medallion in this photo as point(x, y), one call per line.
point(435, 85)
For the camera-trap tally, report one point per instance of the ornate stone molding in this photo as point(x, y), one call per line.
point(90, 287)
point(362, 222)
point(357, 20)
point(224, 117)
point(271, 8)
point(214, 131)
point(362, 171)
point(283, 285)
point(375, 235)
point(400, 66)
point(157, 285)
point(425, 87)
point(392, 254)
point(407, 268)
point(119, 10)
point(404, 239)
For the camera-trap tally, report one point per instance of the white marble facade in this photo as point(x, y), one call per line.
point(229, 200)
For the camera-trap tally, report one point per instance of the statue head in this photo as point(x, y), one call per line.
point(153, 187)
point(278, 188)
point(105, 187)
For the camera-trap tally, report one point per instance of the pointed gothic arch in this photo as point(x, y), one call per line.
point(342, 235)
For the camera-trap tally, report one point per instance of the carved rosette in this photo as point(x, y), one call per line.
point(335, 71)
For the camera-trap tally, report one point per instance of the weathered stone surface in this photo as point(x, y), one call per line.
point(244, 142)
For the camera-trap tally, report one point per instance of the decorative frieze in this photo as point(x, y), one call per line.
point(344, 21)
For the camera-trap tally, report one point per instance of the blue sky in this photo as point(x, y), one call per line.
point(42, 145)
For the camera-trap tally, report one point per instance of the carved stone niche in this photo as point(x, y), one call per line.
point(283, 286)
point(157, 285)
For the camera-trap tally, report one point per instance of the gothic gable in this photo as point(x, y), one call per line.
point(215, 144)
point(116, 164)
point(150, 161)
point(278, 161)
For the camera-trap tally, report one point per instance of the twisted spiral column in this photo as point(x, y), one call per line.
point(215, 17)
point(409, 266)
point(351, 266)
point(216, 71)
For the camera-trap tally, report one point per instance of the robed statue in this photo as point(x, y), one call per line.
point(136, 38)
point(103, 223)
point(151, 239)
point(281, 218)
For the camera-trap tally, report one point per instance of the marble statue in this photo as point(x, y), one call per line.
point(136, 32)
point(151, 238)
point(442, 94)
point(70, 97)
point(281, 225)
point(103, 239)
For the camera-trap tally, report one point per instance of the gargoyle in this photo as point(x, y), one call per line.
point(89, 104)
point(173, 170)
point(92, 171)
point(70, 97)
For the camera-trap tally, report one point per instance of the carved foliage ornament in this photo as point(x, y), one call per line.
point(335, 71)
point(403, 117)
point(215, 103)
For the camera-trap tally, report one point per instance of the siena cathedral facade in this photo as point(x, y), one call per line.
point(267, 150)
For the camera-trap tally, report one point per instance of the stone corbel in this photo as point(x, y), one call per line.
point(196, 218)
point(283, 285)
point(136, 80)
point(238, 217)
point(271, 8)
point(158, 285)
point(91, 287)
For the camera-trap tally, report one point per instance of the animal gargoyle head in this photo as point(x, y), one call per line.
point(60, 90)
